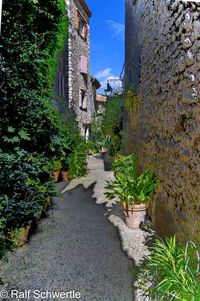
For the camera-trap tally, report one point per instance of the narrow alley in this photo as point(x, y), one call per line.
point(76, 248)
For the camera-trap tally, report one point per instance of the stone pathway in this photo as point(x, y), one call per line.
point(76, 248)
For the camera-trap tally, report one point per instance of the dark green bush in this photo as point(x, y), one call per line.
point(31, 128)
point(106, 131)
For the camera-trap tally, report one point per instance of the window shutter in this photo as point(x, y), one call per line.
point(78, 20)
point(84, 65)
point(85, 31)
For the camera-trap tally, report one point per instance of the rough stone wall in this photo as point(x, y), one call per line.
point(78, 47)
point(165, 121)
point(61, 85)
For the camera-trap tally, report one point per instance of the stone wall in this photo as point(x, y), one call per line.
point(164, 123)
point(77, 47)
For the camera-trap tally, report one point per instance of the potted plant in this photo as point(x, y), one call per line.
point(20, 236)
point(134, 194)
point(112, 145)
point(122, 164)
point(64, 173)
point(55, 167)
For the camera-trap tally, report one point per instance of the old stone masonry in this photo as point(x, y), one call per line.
point(163, 62)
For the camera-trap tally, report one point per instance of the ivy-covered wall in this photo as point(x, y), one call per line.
point(34, 140)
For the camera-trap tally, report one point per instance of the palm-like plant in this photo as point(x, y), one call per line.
point(125, 164)
point(131, 189)
point(170, 272)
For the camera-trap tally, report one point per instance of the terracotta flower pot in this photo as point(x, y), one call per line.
point(136, 215)
point(55, 176)
point(65, 176)
point(20, 238)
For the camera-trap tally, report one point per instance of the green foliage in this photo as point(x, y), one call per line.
point(122, 188)
point(111, 123)
point(56, 165)
point(125, 165)
point(127, 186)
point(170, 272)
point(130, 99)
point(31, 129)
point(112, 144)
point(106, 131)
point(97, 136)
point(77, 161)
point(145, 186)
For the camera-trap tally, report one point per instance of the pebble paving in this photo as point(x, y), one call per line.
point(75, 248)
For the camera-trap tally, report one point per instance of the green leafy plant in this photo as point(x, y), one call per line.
point(122, 188)
point(56, 165)
point(78, 161)
point(31, 128)
point(130, 98)
point(112, 120)
point(145, 187)
point(112, 144)
point(131, 189)
point(125, 164)
point(171, 272)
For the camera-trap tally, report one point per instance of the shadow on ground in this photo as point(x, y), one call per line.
point(75, 249)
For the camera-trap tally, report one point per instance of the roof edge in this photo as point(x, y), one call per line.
point(86, 8)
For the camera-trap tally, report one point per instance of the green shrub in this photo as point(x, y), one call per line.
point(112, 144)
point(131, 189)
point(31, 128)
point(170, 272)
point(78, 161)
point(112, 121)
point(106, 131)
point(125, 164)
point(130, 98)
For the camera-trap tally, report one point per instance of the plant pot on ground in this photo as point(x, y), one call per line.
point(107, 160)
point(135, 215)
point(64, 175)
point(134, 194)
point(112, 145)
point(20, 236)
point(55, 167)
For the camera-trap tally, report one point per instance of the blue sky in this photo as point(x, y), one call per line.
point(107, 38)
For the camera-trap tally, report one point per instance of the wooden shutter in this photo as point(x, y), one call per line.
point(85, 31)
point(78, 20)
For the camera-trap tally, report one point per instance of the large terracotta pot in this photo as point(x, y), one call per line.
point(65, 175)
point(20, 238)
point(55, 176)
point(136, 215)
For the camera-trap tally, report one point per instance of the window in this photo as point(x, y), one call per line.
point(82, 26)
point(83, 100)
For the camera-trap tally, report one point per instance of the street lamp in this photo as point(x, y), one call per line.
point(108, 91)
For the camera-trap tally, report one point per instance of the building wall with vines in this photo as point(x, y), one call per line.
point(162, 62)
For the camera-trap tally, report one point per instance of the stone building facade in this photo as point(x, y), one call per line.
point(81, 86)
point(163, 63)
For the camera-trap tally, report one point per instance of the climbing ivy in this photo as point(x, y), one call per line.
point(33, 35)
point(130, 98)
